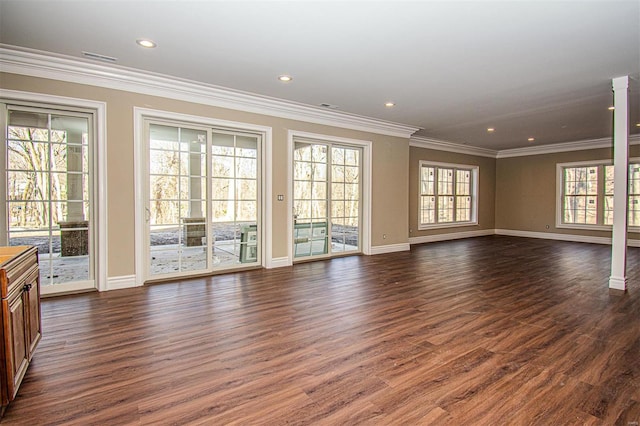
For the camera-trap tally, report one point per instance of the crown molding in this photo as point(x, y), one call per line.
point(63, 68)
point(564, 147)
point(430, 143)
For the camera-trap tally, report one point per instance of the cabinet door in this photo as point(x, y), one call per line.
point(34, 326)
point(4, 398)
point(17, 352)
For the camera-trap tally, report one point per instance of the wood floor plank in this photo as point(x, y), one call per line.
point(489, 330)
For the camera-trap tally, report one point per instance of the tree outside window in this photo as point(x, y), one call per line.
point(586, 197)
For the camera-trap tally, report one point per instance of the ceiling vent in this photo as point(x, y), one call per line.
point(99, 57)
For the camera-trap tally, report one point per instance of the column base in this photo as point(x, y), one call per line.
point(194, 231)
point(74, 238)
point(618, 283)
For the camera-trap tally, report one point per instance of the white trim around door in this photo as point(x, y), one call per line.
point(99, 110)
point(139, 117)
point(366, 146)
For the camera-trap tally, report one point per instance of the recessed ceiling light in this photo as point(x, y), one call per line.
point(531, 139)
point(491, 129)
point(146, 43)
point(611, 108)
point(637, 124)
point(389, 104)
point(285, 78)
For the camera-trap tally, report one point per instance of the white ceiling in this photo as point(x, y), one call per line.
point(526, 68)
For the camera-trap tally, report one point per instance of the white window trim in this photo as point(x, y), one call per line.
point(139, 117)
point(559, 183)
point(475, 202)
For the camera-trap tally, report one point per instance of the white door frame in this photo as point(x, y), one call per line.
point(140, 155)
point(99, 166)
point(366, 146)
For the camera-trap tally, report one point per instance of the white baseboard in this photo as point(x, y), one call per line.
point(451, 236)
point(278, 262)
point(562, 237)
point(391, 248)
point(129, 281)
point(118, 283)
point(554, 236)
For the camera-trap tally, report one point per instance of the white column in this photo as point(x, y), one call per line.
point(618, 278)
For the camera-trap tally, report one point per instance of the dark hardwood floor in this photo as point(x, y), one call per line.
point(484, 331)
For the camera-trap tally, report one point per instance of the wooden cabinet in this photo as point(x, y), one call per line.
point(21, 325)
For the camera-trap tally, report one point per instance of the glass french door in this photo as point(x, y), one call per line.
point(48, 192)
point(203, 210)
point(327, 189)
point(235, 201)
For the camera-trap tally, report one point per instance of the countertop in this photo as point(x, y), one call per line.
point(8, 253)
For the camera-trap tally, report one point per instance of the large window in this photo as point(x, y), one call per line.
point(586, 195)
point(580, 197)
point(634, 194)
point(448, 195)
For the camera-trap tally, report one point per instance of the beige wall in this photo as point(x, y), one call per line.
point(526, 191)
point(486, 180)
point(514, 193)
point(389, 164)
